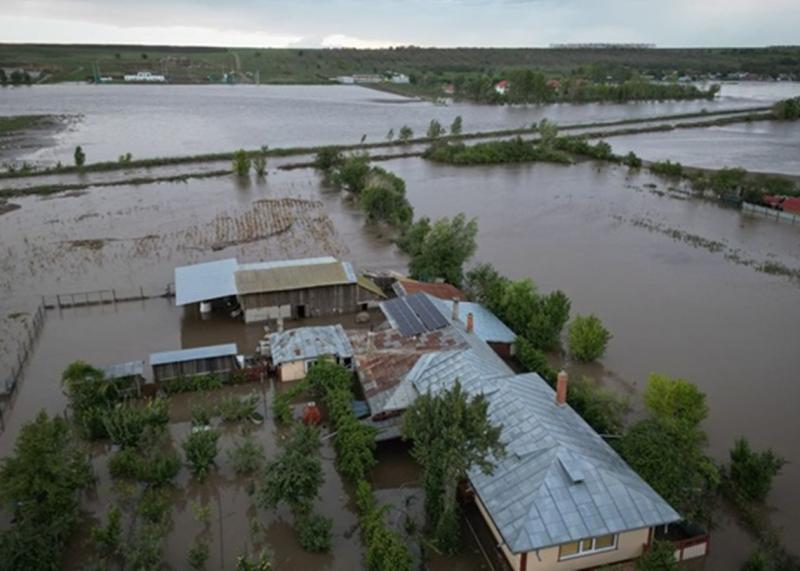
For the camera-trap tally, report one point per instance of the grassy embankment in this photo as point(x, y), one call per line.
point(732, 115)
point(15, 123)
point(427, 66)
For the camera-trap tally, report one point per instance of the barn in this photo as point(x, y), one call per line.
point(288, 289)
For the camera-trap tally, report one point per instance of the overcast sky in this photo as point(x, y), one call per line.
point(377, 23)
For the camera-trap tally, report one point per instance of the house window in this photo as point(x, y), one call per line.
point(587, 546)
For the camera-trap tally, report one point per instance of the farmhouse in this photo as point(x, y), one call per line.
point(220, 360)
point(311, 287)
point(561, 498)
point(295, 351)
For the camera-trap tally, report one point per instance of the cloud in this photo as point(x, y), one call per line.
point(345, 41)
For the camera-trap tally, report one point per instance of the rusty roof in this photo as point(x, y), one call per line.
point(440, 290)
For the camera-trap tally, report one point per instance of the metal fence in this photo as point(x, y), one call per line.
point(105, 296)
point(749, 207)
point(24, 351)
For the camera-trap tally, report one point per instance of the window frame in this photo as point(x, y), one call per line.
point(592, 551)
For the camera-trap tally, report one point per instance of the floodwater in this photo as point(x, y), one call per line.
point(673, 278)
point(151, 121)
point(763, 146)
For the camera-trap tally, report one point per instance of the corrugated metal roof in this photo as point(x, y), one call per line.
point(206, 281)
point(559, 481)
point(306, 343)
point(441, 290)
point(487, 326)
point(370, 286)
point(292, 274)
point(121, 370)
point(191, 354)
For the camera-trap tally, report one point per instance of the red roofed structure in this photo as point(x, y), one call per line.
point(442, 290)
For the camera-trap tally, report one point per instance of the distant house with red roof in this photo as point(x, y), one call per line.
point(407, 286)
point(501, 87)
point(449, 89)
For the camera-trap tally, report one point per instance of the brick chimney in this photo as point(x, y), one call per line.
point(470, 323)
point(455, 309)
point(561, 388)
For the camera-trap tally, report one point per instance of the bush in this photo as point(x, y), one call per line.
point(667, 168)
point(660, 557)
point(495, 152)
point(386, 550)
point(384, 199)
point(631, 160)
point(155, 504)
point(193, 383)
point(200, 448)
point(588, 338)
point(351, 174)
point(108, 539)
point(241, 163)
point(233, 408)
point(247, 456)
point(405, 135)
point(314, 532)
point(126, 423)
point(601, 408)
point(535, 361)
point(198, 555)
point(328, 158)
point(260, 165)
point(152, 465)
point(751, 473)
point(80, 156)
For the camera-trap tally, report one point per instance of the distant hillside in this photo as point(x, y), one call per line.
point(202, 65)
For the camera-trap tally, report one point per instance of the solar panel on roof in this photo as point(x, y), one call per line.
point(426, 311)
point(407, 322)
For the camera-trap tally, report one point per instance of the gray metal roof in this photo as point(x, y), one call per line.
point(122, 370)
point(560, 481)
point(204, 282)
point(487, 326)
point(305, 343)
point(183, 355)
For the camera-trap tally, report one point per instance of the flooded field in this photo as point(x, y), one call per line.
point(152, 121)
point(680, 282)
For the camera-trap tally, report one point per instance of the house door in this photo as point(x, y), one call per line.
point(301, 312)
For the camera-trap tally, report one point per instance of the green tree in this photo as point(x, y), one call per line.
point(534, 361)
point(659, 557)
point(675, 401)
point(247, 457)
point(260, 165)
point(435, 129)
point(405, 135)
point(384, 199)
point(352, 173)
point(328, 158)
point(198, 555)
point(440, 250)
point(314, 532)
point(548, 132)
point(386, 550)
point(39, 486)
point(750, 473)
point(457, 126)
point(107, 539)
point(485, 285)
point(241, 163)
point(295, 474)
point(451, 433)
point(601, 408)
point(390, 135)
point(80, 156)
point(588, 338)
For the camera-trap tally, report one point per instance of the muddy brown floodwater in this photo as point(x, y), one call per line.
point(677, 281)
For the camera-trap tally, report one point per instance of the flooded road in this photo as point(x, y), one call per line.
point(152, 121)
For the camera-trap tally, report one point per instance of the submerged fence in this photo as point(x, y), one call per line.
point(105, 296)
point(24, 351)
point(751, 208)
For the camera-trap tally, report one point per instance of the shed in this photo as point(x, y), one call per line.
point(295, 351)
point(219, 360)
point(130, 376)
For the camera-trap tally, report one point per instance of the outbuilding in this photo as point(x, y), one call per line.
point(129, 377)
point(295, 351)
point(220, 360)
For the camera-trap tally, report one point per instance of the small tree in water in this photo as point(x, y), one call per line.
point(435, 129)
point(405, 135)
point(750, 473)
point(260, 165)
point(457, 126)
point(80, 156)
point(241, 163)
point(588, 338)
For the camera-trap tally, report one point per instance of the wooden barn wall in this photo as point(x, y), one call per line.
point(319, 301)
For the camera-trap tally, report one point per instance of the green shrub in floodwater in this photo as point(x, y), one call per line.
point(233, 408)
point(260, 562)
point(588, 338)
point(260, 165)
point(155, 504)
point(107, 539)
point(198, 554)
point(241, 163)
point(192, 383)
point(80, 156)
point(200, 448)
point(247, 457)
point(314, 532)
